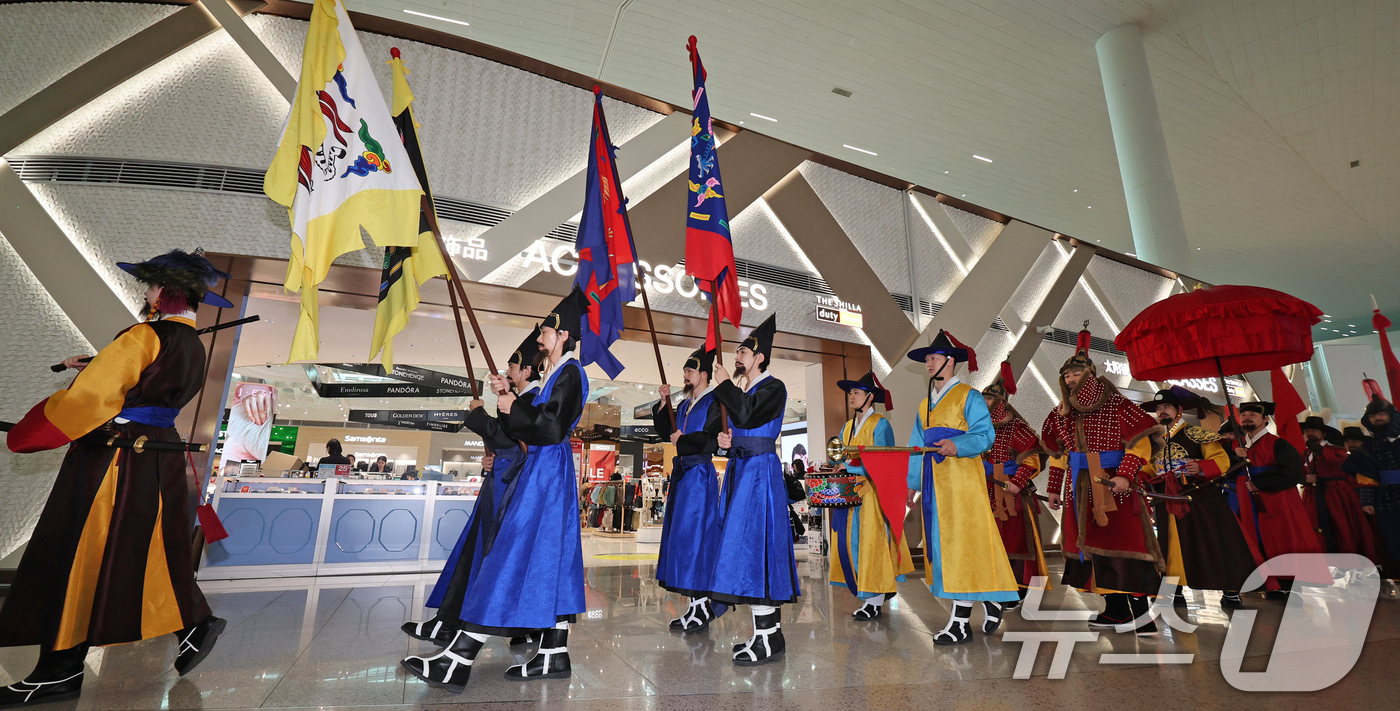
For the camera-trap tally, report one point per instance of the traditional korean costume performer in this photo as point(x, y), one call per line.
point(686, 560)
point(497, 490)
point(1201, 540)
point(1097, 436)
point(532, 578)
point(1329, 494)
point(754, 563)
point(1014, 459)
point(1264, 496)
point(110, 560)
point(1376, 465)
point(870, 550)
point(964, 559)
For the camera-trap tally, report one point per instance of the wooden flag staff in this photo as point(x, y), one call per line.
point(456, 293)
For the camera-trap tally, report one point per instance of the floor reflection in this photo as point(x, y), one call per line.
point(335, 643)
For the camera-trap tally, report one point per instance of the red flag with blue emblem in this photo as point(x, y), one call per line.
point(606, 255)
point(709, 250)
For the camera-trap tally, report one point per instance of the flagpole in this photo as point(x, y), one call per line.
point(455, 282)
point(719, 350)
point(462, 337)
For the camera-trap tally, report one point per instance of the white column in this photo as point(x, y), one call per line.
point(1154, 211)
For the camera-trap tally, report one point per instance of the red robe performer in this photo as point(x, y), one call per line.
point(1011, 463)
point(1265, 495)
point(1096, 435)
point(1329, 494)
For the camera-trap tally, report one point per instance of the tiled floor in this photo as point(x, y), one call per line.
point(335, 643)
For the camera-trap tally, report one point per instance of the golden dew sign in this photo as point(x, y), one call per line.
point(833, 310)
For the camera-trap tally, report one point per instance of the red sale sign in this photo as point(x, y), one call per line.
point(602, 462)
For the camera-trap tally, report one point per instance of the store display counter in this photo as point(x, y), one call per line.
point(299, 527)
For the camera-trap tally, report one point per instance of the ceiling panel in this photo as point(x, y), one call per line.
point(1264, 103)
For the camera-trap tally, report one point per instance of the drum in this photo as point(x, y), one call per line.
point(833, 492)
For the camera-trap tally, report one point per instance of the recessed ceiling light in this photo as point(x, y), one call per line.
point(862, 150)
point(988, 160)
point(1130, 254)
point(1076, 190)
point(1089, 207)
point(435, 17)
point(945, 172)
point(765, 118)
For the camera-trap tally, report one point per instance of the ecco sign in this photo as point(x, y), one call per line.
point(663, 279)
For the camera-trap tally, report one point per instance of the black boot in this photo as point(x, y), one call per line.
point(697, 617)
point(767, 642)
point(1138, 605)
point(525, 639)
point(551, 660)
point(436, 630)
point(1231, 600)
point(450, 667)
point(867, 611)
point(958, 629)
point(1020, 598)
point(992, 612)
point(1116, 611)
point(57, 677)
point(197, 642)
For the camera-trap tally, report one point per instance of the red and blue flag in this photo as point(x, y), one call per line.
point(709, 250)
point(606, 255)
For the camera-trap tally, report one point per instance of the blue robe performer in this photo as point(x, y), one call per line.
point(110, 561)
point(754, 563)
point(870, 550)
point(532, 578)
point(507, 456)
point(686, 561)
point(964, 559)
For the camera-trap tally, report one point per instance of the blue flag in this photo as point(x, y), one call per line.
point(606, 256)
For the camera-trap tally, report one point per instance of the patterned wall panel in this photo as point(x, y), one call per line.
point(39, 335)
point(977, 230)
point(871, 215)
point(492, 133)
point(1027, 297)
point(111, 224)
point(936, 271)
point(1080, 306)
point(1129, 289)
point(44, 41)
point(207, 103)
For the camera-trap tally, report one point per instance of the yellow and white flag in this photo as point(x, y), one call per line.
point(405, 268)
point(340, 166)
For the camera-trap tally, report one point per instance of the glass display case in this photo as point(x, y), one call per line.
point(303, 527)
point(238, 485)
point(365, 487)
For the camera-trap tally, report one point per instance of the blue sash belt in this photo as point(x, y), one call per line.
point(743, 447)
point(934, 434)
point(151, 415)
point(1389, 478)
point(1079, 461)
point(681, 463)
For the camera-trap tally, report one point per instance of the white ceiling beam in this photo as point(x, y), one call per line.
point(228, 16)
point(516, 233)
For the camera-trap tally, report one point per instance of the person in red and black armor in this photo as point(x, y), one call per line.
point(1264, 496)
point(1329, 494)
point(1201, 539)
point(1014, 459)
point(1105, 444)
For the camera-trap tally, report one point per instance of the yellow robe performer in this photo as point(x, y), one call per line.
point(964, 559)
point(868, 557)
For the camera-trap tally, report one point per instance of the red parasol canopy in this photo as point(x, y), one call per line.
point(1247, 328)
